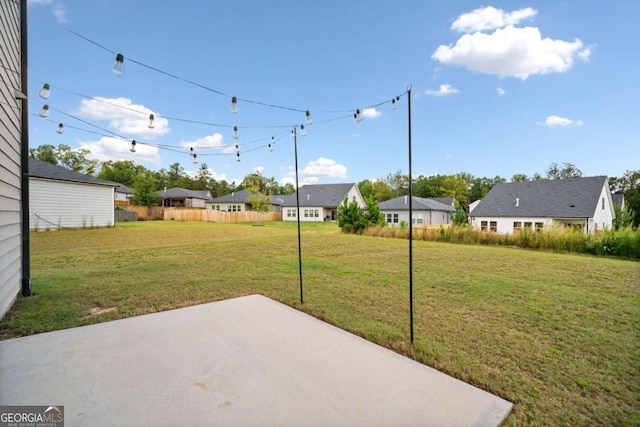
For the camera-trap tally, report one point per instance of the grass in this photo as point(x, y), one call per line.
point(558, 335)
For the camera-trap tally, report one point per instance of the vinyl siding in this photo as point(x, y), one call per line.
point(10, 187)
point(61, 204)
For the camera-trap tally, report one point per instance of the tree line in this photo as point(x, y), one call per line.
point(463, 187)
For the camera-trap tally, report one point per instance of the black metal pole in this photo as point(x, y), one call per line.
point(410, 219)
point(295, 145)
point(24, 153)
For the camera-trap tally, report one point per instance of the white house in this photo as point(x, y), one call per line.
point(239, 201)
point(424, 211)
point(319, 202)
point(583, 203)
point(14, 239)
point(60, 198)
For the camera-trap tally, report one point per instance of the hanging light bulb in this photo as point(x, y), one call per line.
point(237, 147)
point(357, 116)
point(133, 146)
point(234, 105)
point(238, 156)
point(44, 92)
point(195, 158)
point(117, 66)
point(308, 114)
point(303, 132)
point(235, 132)
point(394, 102)
point(60, 128)
point(151, 119)
point(44, 113)
point(270, 147)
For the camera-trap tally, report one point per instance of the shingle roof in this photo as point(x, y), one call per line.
point(321, 195)
point(419, 203)
point(235, 197)
point(40, 169)
point(617, 199)
point(444, 200)
point(183, 193)
point(557, 198)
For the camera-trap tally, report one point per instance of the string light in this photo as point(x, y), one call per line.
point(133, 146)
point(117, 66)
point(303, 132)
point(151, 119)
point(44, 112)
point(238, 156)
point(270, 147)
point(395, 101)
point(235, 132)
point(44, 92)
point(357, 116)
point(195, 159)
point(234, 105)
point(60, 128)
point(308, 114)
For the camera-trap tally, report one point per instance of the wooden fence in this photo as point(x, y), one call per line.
point(144, 212)
point(187, 214)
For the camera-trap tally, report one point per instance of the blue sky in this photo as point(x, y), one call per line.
point(497, 89)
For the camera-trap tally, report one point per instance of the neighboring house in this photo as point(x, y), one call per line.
point(239, 201)
point(319, 202)
point(61, 198)
point(618, 200)
point(183, 198)
point(123, 194)
point(449, 201)
point(424, 211)
point(473, 205)
point(14, 239)
point(583, 203)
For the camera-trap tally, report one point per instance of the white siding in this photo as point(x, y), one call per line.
point(603, 216)
point(428, 217)
point(61, 204)
point(10, 169)
point(313, 214)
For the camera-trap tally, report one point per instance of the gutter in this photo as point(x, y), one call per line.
point(24, 154)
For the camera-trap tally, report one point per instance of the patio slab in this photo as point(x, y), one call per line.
point(248, 361)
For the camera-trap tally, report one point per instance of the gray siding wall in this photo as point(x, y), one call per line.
point(61, 204)
point(10, 206)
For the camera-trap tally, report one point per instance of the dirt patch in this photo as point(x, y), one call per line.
point(96, 311)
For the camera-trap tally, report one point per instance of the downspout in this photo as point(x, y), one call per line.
point(24, 154)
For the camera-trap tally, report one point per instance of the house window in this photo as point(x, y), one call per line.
point(306, 213)
point(539, 226)
point(493, 226)
point(484, 225)
point(389, 218)
point(395, 218)
point(316, 213)
point(417, 219)
point(291, 213)
point(527, 225)
point(517, 226)
point(603, 203)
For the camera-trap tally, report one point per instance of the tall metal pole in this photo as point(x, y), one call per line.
point(410, 219)
point(24, 154)
point(295, 145)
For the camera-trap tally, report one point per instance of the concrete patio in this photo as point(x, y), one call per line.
point(247, 361)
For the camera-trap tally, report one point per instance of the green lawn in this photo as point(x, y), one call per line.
point(557, 335)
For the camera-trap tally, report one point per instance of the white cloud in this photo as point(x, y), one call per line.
point(490, 18)
point(60, 12)
point(258, 169)
point(215, 140)
point(500, 91)
point(124, 116)
point(371, 113)
point(585, 53)
point(553, 121)
point(314, 170)
point(117, 149)
point(511, 52)
point(444, 90)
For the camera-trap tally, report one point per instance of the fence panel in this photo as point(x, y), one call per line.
point(183, 214)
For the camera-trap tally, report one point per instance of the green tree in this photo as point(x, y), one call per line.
point(568, 170)
point(519, 177)
point(350, 217)
point(259, 195)
point(76, 160)
point(372, 214)
point(459, 217)
point(624, 217)
point(145, 192)
point(122, 171)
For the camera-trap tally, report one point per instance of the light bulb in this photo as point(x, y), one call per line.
point(234, 105)
point(235, 132)
point(44, 92)
point(133, 146)
point(237, 147)
point(238, 156)
point(357, 116)
point(394, 103)
point(44, 113)
point(195, 158)
point(303, 132)
point(270, 147)
point(117, 66)
point(191, 150)
point(151, 119)
point(309, 121)
point(60, 128)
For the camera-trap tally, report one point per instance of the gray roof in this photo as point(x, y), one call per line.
point(444, 200)
point(321, 195)
point(557, 198)
point(40, 169)
point(419, 204)
point(235, 197)
point(121, 188)
point(183, 193)
point(617, 199)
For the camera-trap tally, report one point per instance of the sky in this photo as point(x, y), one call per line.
point(497, 88)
